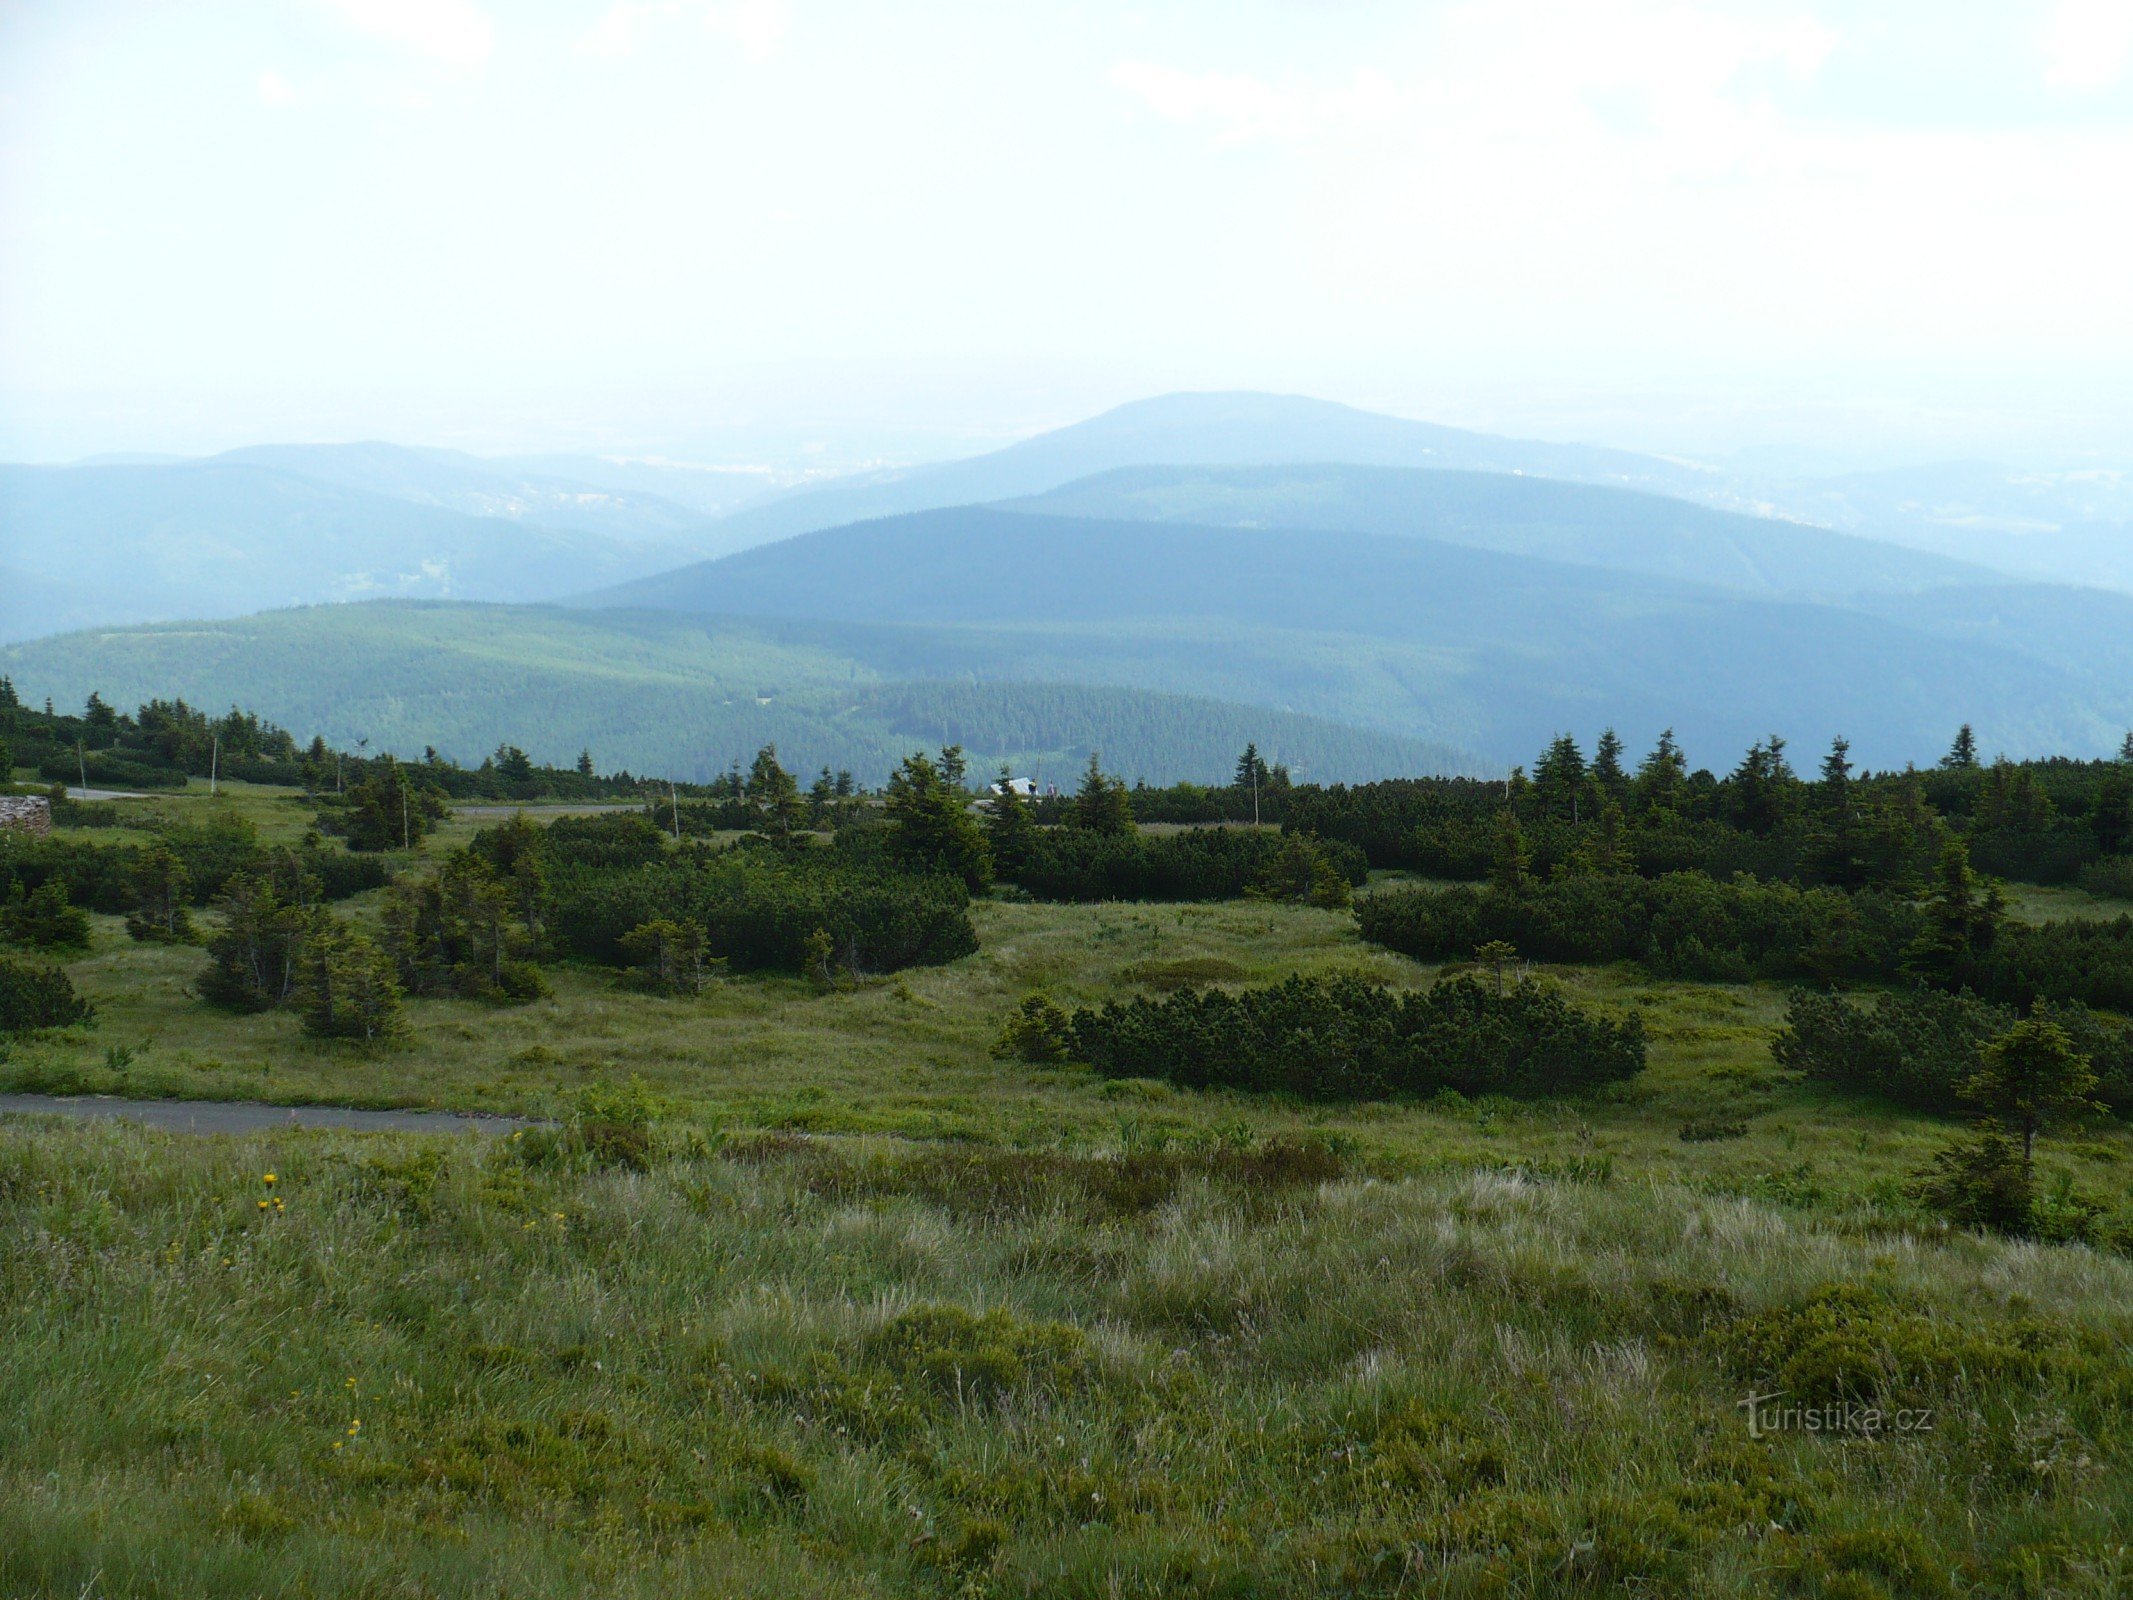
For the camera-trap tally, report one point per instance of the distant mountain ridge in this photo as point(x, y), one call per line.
point(96, 544)
point(1217, 429)
point(1489, 650)
point(1588, 525)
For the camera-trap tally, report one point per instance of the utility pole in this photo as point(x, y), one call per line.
point(674, 800)
point(407, 838)
point(214, 767)
point(1255, 794)
point(81, 754)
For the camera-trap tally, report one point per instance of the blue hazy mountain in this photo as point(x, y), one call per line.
point(1573, 522)
point(96, 546)
point(1232, 429)
point(1488, 650)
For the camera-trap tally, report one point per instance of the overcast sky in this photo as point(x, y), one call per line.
point(1891, 228)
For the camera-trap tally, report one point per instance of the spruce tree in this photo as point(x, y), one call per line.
point(1662, 776)
point(1607, 769)
point(1009, 829)
point(1101, 804)
point(1559, 777)
point(1962, 755)
point(160, 887)
point(930, 826)
point(774, 797)
point(1963, 913)
point(1837, 775)
point(2031, 1078)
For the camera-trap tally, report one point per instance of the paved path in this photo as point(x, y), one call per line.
point(252, 1116)
point(76, 792)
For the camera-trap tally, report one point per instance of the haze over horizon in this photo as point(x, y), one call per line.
point(780, 233)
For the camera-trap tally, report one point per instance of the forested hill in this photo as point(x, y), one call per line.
point(682, 696)
point(1474, 647)
point(1619, 529)
point(1192, 429)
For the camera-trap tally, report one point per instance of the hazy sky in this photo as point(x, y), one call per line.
point(1906, 228)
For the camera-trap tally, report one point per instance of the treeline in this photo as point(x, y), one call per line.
point(165, 743)
point(1343, 1038)
point(2039, 821)
point(1956, 936)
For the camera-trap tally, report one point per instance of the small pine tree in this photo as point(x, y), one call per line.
point(1496, 955)
point(34, 995)
point(253, 957)
point(1009, 828)
point(1963, 914)
point(160, 887)
point(1978, 1183)
point(774, 797)
point(2032, 1078)
point(1962, 754)
point(346, 987)
point(1037, 1031)
point(43, 919)
point(1662, 775)
point(930, 826)
point(1836, 785)
point(669, 955)
point(1101, 804)
point(1607, 769)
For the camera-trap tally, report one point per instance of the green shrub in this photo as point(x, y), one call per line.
point(33, 996)
point(1344, 1038)
point(1681, 925)
point(42, 919)
point(1037, 1031)
point(1846, 1342)
point(1978, 1183)
point(758, 908)
point(612, 1124)
point(1915, 1049)
point(2110, 879)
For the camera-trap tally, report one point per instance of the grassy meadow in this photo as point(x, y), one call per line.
point(878, 1314)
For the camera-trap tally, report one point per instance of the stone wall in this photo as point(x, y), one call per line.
point(27, 813)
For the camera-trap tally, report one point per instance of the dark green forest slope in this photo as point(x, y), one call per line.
point(679, 695)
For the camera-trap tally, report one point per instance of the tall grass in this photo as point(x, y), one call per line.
point(798, 1366)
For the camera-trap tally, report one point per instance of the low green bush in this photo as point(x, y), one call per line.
point(1344, 1038)
point(34, 995)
